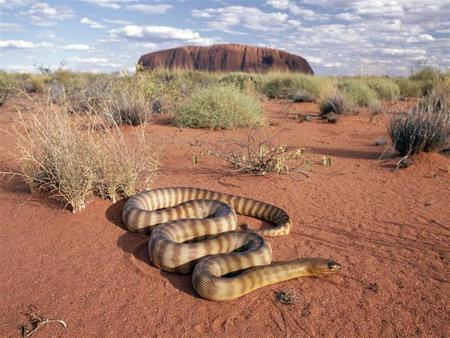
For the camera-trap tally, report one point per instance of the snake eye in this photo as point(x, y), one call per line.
point(333, 265)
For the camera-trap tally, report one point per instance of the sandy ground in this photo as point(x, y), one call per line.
point(389, 230)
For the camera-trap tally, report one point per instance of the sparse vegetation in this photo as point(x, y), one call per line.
point(338, 104)
point(385, 88)
point(288, 85)
point(6, 87)
point(258, 154)
point(219, 107)
point(358, 92)
point(62, 155)
point(425, 128)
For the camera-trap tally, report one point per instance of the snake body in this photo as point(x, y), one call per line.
point(194, 229)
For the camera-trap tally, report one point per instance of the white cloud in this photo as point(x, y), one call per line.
point(420, 38)
point(333, 65)
point(293, 8)
point(16, 44)
point(10, 27)
point(150, 9)
point(76, 47)
point(92, 60)
point(91, 23)
point(42, 14)
point(249, 17)
point(113, 4)
point(159, 34)
point(118, 22)
point(8, 4)
point(348, 17)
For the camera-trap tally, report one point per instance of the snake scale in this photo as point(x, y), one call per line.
point(194, 229)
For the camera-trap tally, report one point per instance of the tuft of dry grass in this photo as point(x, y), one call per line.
point(258, 154)
point(61, 154)
point(425, 128)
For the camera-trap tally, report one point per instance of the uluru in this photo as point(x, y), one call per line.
point(226, 58)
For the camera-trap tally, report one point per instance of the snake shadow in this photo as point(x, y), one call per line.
point(137, 244)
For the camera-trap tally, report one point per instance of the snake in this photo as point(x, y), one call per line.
point(195, 230)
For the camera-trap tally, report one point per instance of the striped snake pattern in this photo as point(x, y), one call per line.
point(194, 229)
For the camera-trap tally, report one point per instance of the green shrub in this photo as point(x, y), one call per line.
point(219, 106)
point(358, 92)
point(385, 89)
point(287, 85)
point(243, 81)
point(409, 88)
point(426, 128)
point(428, 78)
point(6, 87)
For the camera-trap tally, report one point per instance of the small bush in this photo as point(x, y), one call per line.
point(385, 89)
point(409, 88)
point(258, 154)
point(60, 155)
point(219, 107)
point(130, 101)
point(243, 81)
point(336, 104)
point(6, 87)
point(302, 96)
point(286, 86)
point(358, 92)
point(426, 128)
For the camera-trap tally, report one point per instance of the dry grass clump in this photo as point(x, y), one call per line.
point(258, 154)
point(425, 128)
point(61, 155)
point(337, 104)
point(219, 106)
point(6, 87)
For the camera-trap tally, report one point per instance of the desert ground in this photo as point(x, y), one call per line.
point(389, 229)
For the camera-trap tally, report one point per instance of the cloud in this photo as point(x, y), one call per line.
point(10, 27)
point(22, 44)
point(348, 17)
point(117, 22)
point(76, 47)
point(225, 18)
point(158, 34)
point(113, 4)
point(91, 23)
point(8, 4)
point(42, 14)
point(150, 9)
point(293, 8)
point(92, 60)
point(16, 44)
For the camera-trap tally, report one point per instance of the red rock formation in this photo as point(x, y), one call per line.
point(226, 58)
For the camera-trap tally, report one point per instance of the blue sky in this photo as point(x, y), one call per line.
point(353, 37)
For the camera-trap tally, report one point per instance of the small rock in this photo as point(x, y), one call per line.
point(380, 141)
point(332, 117)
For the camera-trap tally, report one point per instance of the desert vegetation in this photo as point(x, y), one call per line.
point(424, 128)
point(67, 156)
point(73, 145)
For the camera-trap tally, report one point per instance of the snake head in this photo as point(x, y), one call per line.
point(321, 266)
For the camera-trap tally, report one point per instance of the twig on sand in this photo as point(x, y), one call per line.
point(37, 321)
point(403, 162)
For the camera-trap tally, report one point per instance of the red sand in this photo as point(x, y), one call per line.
point(389, 230)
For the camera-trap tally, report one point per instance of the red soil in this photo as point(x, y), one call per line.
point(389, 230)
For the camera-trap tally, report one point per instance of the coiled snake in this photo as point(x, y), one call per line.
point(195, 229)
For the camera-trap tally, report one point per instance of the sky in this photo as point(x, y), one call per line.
point(337, 37)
